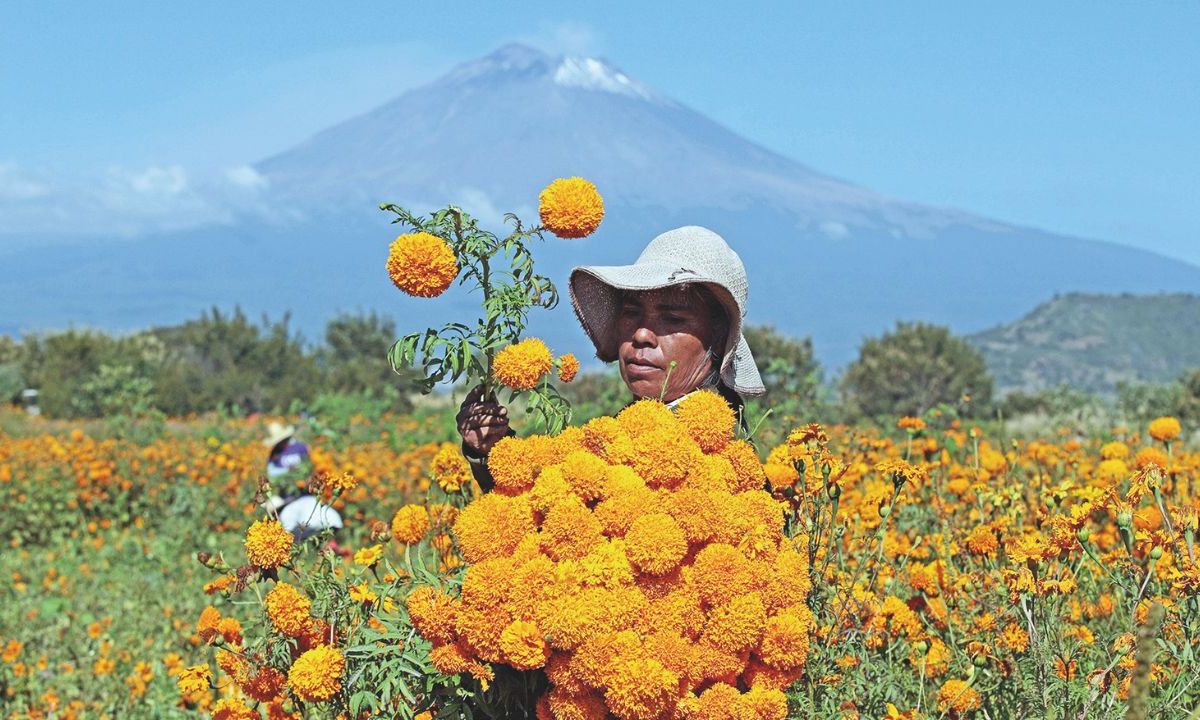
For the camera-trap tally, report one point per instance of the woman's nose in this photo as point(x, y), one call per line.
point(644, 337)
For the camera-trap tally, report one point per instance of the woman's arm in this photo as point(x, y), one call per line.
point(482, 422)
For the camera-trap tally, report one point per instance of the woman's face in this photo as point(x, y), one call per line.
point(656, 328)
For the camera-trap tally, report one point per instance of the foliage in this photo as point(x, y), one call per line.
point(502, 270)
point(1095, 342)
point(912, 369)
point(220, 360)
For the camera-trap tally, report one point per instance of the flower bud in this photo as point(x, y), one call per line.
point(1083, 534)
point(1125, 519)
point(1156, 553)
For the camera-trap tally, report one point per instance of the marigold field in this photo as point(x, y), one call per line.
point(655, 564)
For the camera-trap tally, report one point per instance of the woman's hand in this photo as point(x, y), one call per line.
point(482, 423)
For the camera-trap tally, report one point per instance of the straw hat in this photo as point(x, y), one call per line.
point(690, 254)
point(277, 433)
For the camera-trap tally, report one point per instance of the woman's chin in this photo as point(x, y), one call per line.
point(644, 387)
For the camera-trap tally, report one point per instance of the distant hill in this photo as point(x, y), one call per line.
point(826, 258)
point(1092, 342)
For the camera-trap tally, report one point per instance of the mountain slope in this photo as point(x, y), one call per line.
point(1093, 342)
point(825, 258)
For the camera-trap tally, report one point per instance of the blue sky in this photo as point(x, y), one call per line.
point(1079, 118)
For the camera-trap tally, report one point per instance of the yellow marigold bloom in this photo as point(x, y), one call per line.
point(432, 613)
point(493, 526)
point(765, 703)
point(722, 573)
point(316, 675)
point(747, 468)
point(195, 679)
point(512, 464)
point(707, 418)
point(655, 544)
point(362, 593)
point(288, 609)
point(736, 626)
point(421, 264)
point(665, 457)
point(570, 530)
point(571, 207)
point(568, 367)
point(522, 365)
point(450, 468)
point(456, 658)
point(644, 416)
point(343, 482)
point(640, 688)
point(487, 582)
point(914, 424)
point(959, 697)
point(368, 556)
point(1115, 450)
point(410, 524)
point(267, 544)
point(586, 474)
point(523, 646)
point(1165, 429)
point(233, 709)
point(786, 639)
point(718, 702)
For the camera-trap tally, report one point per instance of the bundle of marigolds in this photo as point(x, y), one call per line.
point(639, 561)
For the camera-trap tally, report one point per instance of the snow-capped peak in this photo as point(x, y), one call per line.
point(593, 74)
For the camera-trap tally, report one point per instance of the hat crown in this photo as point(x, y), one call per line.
point(699, 252)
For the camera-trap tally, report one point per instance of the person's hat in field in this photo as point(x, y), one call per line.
point(690, 254)
point(277, 433)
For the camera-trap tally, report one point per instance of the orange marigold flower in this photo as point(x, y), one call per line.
point(570, 530)
point(493, 526)
point(958, 697)
point(410, 524)
point(233, 709)
point(644, 416)
point(665, 457)
point(908, 422)
point(565, 706)
point(523, 645)
point(512, 464)
point(432, 613)
point(231, 630)
point(640, 688)
point(747, 468)
point(316, 675)
point(655, 544)
point(263, 683)
point(737, 625)
point(267, 544)
point(450, 468)
point(421, 264)
point(707, 418)
point(1151, 456)
point(208, 626)
point(571, 207)
point(288, 609)
point(786, 639)
point(722, 573)
point(586, 474)
point(568, 367)
point(1165, 429)
point(522, 365)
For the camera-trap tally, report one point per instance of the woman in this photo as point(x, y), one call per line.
point(288, 469)
point(672, 321)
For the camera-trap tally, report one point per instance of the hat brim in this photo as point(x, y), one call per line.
point(275, 438)
point(596, 297)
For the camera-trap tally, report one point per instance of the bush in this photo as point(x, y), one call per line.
point(913, 369)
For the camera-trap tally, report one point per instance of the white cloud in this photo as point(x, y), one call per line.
point(834, 230)
point(17, 185)
point(123, 201)
point(568, 37)
point(246, 176)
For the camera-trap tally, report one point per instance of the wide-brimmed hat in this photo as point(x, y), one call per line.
point(690, 254)
point(277, 433)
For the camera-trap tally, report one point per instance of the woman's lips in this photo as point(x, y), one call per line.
point(639, 368)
